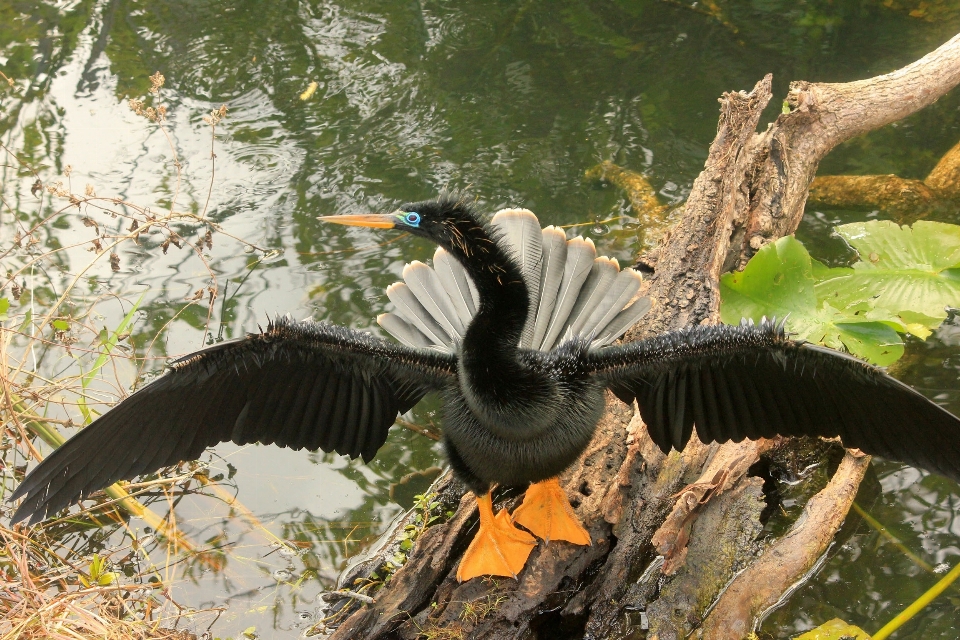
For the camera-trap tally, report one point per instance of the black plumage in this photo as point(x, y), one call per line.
point(511, 415)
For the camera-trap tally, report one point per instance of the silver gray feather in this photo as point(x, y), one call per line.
point(572, 291)
point(622, 321)
point(616, 297)
point(551, 275)
point(455, 282)
point(403, 331)
point(410, 309)
point(520, 230)
point(602, 275)
point(580, 256)
point(425, 284)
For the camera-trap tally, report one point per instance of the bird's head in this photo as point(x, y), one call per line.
point(444, 221)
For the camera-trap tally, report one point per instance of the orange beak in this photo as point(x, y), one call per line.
point(376, 220)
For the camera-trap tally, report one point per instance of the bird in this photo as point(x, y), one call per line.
point(513, 327)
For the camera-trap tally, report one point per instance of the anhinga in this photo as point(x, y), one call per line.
point(511, 330)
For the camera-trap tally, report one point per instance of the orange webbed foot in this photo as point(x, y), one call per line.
point(499, 548)
point(547, 513)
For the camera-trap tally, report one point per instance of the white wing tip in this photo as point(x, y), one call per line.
point(416, 265)
point(505, 214)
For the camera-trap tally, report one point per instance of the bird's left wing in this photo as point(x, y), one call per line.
point(297, 384)
point(747, 381)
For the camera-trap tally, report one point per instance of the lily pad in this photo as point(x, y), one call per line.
point(912, 274)
point(835, 629)
point(779, 282)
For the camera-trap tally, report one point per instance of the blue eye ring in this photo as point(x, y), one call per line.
point(412, 218)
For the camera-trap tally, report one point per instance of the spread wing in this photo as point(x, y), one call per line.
point(752, 382)
point(297, 384)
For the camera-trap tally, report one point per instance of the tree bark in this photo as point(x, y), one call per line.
point(669, 532)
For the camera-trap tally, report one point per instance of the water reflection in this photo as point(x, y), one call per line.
point(512, 101)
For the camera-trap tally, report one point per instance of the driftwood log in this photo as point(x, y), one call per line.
point(676, 538)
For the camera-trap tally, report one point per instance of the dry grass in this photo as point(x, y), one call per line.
point(59, 365)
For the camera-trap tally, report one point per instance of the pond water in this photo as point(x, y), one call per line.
point(355, 107)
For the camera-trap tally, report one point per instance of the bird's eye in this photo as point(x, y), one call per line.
point(412, 218)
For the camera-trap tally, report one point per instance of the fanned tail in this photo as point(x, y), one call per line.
point(573, 292)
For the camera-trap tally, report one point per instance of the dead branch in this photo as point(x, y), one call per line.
point(908, 200)
point(785, 562)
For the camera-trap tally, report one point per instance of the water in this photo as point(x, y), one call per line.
point(511, 101)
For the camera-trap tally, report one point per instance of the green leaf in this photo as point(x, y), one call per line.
point(4, 307)
point(96, 567)
point(61, 325)
point(109, 342)
point(875, 342)
point(106, 579)
point(779, 282)
point(908, 273)
point(835, 629)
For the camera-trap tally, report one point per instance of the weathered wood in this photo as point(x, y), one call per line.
point(763, 584)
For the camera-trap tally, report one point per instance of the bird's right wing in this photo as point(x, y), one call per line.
point(753, 382)
point(297, 384)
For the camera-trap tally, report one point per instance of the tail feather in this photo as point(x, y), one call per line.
point(623, 288)
point(403, 331)
point(429, 291)
point(456, 282)
point(520, 230)
point(551, 276)
point(580, 256)
point(410, 309)
point(602, 275)
point(622, 321)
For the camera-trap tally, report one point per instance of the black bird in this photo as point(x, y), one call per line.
point(517, 409)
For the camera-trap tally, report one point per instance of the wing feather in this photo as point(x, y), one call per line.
point(752, 381)
point(299, 384)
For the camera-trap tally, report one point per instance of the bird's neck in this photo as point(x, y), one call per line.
point(494, 332)
point(505, 394)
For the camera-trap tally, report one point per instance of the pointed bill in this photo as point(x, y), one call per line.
point(375, 220)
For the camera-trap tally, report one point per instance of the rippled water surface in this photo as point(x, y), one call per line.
point(510, 101)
